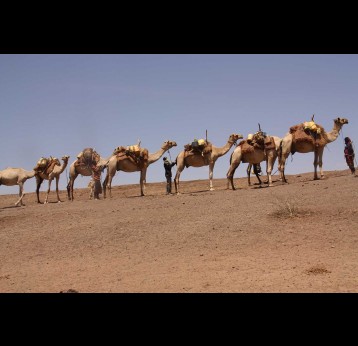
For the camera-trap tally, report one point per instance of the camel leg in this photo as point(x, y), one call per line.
point(230, 177)
point(57, 192)
point(108, 181)
point(48, 191)
point(39, 181)
point(21, 194)
point(230, 174)
point(68, 191)
point(104, 186)
point(180, 168)
point(320, 163)
point(281, 168)
point(269, 164)
point(142, 180)
point(283, 153)
point(315, 164)
point(248, 171)
point(70, 186)
point(269, 177)
point(176, 182)
point(211, 174)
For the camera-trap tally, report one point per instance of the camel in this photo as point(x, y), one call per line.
point(16, 176)
point(121, 162)
point(91, 168)
point(257, 153)
point(54, 174)
point(197, 159)
point(307, 144)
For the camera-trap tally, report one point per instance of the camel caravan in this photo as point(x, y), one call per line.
point(256, 148)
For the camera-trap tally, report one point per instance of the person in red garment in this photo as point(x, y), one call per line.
point(349, 154)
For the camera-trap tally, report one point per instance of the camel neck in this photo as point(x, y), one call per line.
point(333, 135)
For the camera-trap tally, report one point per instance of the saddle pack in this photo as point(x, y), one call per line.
point(45, 165)
point(87, 157)
point(309, 132)
point(135, 153)
point(200, 146)
point(258, 141)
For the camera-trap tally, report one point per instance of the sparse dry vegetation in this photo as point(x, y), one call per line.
point(285, 206)
point(317, 270)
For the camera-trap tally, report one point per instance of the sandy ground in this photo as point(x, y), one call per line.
point(296, 237)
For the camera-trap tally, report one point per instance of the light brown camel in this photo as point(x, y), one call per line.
point(54, 174)
point(86, 169)
point(16, 176)
point(121, 162)
point(257, 153)
point(306, 144)
point(196, 159)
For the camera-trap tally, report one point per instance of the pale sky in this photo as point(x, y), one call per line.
point(58, 104)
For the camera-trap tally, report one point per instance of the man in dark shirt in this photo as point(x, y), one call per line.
point(168, 173)
point(349, 154)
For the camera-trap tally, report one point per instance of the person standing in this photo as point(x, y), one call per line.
point(349, 154)
point(168, 173)
point(96, 177)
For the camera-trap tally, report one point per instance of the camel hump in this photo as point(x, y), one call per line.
point(246, 147)
point(293, 129)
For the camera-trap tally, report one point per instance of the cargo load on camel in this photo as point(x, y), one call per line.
point(257, 141)
point(87, 157)
point(46, 165)
point(135, 153)
point(41, 164)
point(310, 132)
point(198, 146)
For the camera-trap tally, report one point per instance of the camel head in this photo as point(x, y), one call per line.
point(168, 144)
point(235, 137)
point(340, 121)
point(65, 158)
